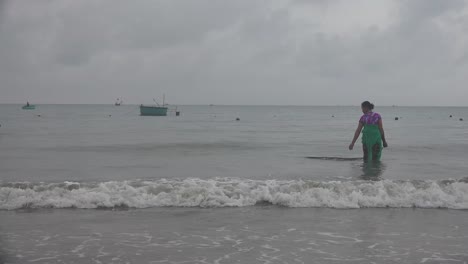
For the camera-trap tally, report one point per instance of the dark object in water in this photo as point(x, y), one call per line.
point(237, 119)
point(334, 158)
point(177, 113)
point(150, 110)
point(451, 116)
point(396, 118)
point(461, 119)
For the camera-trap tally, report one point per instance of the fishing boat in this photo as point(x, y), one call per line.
point(154, 110)
point(118, 102)
point(28, 106)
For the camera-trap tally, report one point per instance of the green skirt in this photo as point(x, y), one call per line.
point(372, 143)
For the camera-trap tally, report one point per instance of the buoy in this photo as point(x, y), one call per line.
point(451, 116)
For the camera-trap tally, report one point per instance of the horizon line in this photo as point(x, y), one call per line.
point(299, 105)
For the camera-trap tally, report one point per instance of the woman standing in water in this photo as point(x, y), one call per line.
point(373, 136)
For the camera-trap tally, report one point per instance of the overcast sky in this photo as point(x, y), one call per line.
point(297, 52)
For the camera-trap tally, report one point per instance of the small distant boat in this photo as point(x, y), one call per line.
point(28, 106)
point(150, 110)
point(159, 110)
point(154, 110)
point(118, 102)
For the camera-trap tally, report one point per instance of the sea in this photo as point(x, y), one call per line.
point(231, 184)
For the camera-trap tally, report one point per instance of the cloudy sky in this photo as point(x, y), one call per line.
point(297, 52)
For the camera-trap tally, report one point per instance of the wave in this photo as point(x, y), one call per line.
point(226, 192)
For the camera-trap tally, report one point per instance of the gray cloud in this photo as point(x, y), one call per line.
point(235, 52)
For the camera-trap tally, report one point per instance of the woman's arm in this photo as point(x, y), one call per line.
point(382, 133)
point(356, 135)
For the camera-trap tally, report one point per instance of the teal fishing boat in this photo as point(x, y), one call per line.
point(158, 109)
point(28, 106)
point(148, 110)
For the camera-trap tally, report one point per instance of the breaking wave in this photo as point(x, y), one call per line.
point(235, 193)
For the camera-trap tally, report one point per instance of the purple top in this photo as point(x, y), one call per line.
point(370, 118)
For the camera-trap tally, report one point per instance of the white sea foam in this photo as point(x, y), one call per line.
point(235, 193)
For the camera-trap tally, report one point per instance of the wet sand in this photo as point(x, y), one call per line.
point(257, 234)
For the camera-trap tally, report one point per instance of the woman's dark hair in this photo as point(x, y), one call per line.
point(367, 105)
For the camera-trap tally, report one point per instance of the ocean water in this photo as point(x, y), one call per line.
point(101, 184)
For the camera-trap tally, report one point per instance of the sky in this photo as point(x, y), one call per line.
point(239, 52)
